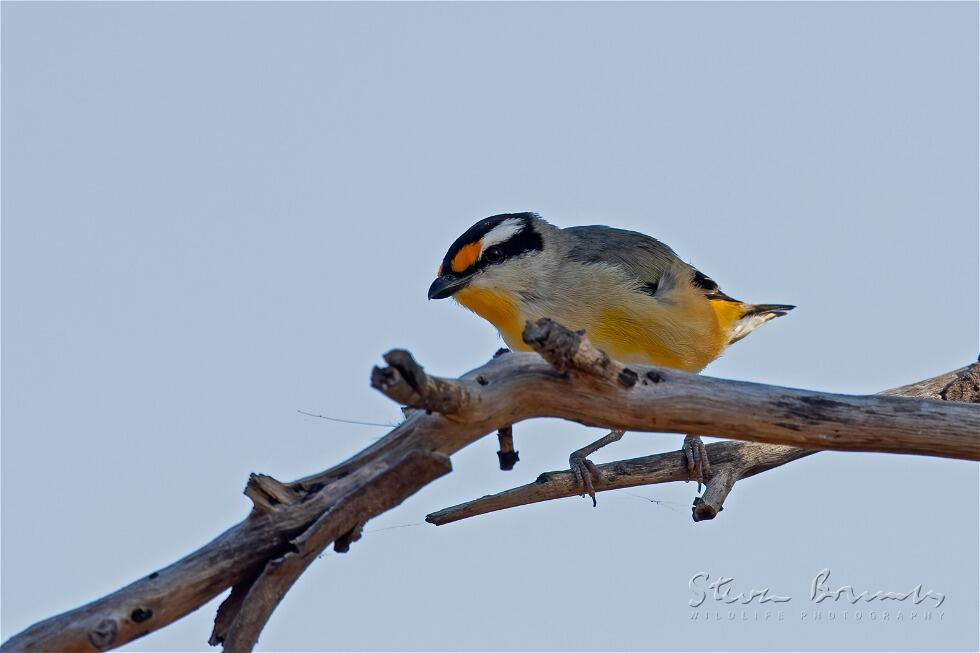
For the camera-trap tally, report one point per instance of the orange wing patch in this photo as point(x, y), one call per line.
point(467, 256)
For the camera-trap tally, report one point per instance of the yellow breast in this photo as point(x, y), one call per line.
point(499, 309)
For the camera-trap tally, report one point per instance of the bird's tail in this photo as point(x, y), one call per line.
point(756, 315)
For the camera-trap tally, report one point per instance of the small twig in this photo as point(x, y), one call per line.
point(720, 483)
point(268, 494)
point(568, 350)
point(507, 456)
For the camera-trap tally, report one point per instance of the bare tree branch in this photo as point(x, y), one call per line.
point(731, 462)
point(291, 522)
point(592, 389)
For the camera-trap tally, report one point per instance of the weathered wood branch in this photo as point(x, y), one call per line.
point(261, 557)
point(731, 462)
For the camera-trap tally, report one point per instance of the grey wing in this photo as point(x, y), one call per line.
point(642, 257)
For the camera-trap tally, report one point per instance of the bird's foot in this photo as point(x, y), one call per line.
point(583, 468)
point(697, 459)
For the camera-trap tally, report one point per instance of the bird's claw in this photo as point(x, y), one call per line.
point(584, 470)
point(582, 467)
point(697, 459)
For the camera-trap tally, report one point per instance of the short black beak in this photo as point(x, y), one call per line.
point(446, 285)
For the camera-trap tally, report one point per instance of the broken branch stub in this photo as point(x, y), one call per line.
point(406, 382)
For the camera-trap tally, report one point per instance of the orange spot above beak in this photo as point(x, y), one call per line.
point(466, 257)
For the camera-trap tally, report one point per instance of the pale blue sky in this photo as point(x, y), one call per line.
point(215, 215)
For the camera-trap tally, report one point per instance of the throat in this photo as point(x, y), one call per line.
point(499, 309)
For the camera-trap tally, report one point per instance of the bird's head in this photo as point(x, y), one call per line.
point(495, 254)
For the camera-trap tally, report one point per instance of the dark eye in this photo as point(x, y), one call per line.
point(493, 254)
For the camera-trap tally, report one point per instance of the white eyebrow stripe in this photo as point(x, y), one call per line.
point(501, 233)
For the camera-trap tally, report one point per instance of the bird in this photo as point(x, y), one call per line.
point(634, 297)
